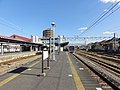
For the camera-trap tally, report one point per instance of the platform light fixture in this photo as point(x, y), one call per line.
point(53, 28)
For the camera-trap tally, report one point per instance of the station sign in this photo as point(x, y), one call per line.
point(45, 54)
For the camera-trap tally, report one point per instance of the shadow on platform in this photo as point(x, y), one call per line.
point(21, 70)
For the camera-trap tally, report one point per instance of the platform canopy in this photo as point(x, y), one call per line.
point(11, 40)
point(62, 44)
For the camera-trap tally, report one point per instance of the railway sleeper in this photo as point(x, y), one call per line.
point(105, 75)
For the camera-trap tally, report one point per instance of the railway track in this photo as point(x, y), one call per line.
point(9, 65)
point(104, 56)
point(108, 70)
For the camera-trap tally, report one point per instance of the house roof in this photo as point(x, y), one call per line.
point(4, 36)
point(17, 40)
point(21, 38)
point(112, 39)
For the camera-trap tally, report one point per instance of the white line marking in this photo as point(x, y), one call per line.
point(81, 68)
point(97, 88)
point(70, 75)
point(29, 69)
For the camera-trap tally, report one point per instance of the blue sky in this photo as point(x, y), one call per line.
point(26, 17)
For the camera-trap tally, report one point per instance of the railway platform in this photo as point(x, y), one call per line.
point(10, 61)
point(66, 73)
point(12, 56)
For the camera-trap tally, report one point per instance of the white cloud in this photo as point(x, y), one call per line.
point(108, 32)
point(82, 29)
point(106, 10)
point(107, 1)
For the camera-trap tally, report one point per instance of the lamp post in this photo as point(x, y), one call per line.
point(58, 44)
point(53, 28)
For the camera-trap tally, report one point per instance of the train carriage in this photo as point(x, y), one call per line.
point(71, 49)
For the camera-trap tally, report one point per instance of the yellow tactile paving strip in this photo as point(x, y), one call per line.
point(76, 77)
point(15, 75)
point(5, 68)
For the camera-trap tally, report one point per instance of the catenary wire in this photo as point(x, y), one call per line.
point(111, 8)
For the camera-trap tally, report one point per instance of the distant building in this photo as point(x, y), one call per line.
point(36, 39)
point(62, 39)
point(111, 45)
point(48, 33)
point(59, 40)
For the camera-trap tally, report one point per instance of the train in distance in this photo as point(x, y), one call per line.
point(71, 49)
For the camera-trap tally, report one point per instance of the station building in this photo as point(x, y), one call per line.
point(30, 44)
point(6, 46)
point(47, 39)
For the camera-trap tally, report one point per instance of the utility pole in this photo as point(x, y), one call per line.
point(114, 44)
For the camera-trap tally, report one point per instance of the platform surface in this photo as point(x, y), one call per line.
point(64, 74)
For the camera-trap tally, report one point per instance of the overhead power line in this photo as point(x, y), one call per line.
point(85, 38)
point(12, 26)
point(103, 16)
point(105, 11)
point(107, 16)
